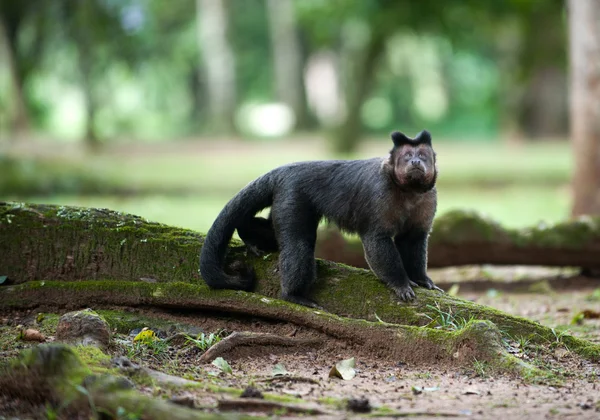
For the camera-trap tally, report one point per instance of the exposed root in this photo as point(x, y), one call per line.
point(247, 338)
point(251, 404)
point(290, 378)
point(428, 414)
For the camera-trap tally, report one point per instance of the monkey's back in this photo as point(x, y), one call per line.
point(349, 193)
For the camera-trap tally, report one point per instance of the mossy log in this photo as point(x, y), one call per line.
point(46, 251)
point(55, 376)
point(464, 237)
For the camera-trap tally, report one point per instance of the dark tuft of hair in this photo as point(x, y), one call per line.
point(401, 139)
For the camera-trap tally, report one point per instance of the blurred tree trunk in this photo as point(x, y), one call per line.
point(584, 28)
point(20, 120)
point(543, 57)
point(82, 36)
point(218, 61)
point(359, 69)
point(532, 66)
point(287, 58)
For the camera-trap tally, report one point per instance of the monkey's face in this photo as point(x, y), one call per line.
point(414, 167)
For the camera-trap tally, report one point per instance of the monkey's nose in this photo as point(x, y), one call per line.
point(415, 162)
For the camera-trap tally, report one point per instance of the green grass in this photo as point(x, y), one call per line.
point(230, 168)
point(513, 207)
point(516, 186)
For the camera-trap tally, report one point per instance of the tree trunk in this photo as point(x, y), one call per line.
point(124, 260)
point(218, 61)
point(462, 238)
point(584, 28)
point(359, 67)
point(20, 121)
point(287, 58)
point(83, 42)
point(90, 135)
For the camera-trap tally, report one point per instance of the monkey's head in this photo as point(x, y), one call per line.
point(412, 162)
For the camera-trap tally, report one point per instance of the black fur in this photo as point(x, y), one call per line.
point(389, 202)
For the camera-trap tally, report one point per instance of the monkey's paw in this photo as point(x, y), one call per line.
point(427, 283)
point(405, 293)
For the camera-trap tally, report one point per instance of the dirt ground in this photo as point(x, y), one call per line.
point(392, 387)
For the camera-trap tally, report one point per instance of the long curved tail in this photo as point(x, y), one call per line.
point(251, 199)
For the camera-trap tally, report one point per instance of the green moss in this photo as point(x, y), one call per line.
point(528, 372)
point(62, 367)
point(186, 295)
point(458, 226)
point(123, 322)
point(337, 403)
point(93, 356)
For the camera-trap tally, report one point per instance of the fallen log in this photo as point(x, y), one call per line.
point(70, 256)
point(465, 238)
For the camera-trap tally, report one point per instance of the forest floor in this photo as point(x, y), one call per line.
point(393, 388)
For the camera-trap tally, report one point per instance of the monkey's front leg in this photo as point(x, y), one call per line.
point(413, 250)
point(385, 261)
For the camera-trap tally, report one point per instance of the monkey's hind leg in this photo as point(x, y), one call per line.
point(296, 230)
point(259, 235)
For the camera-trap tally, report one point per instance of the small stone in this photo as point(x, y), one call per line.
point(186, 400)
point(83, 328)
point(251, 392)
point(359, 405)
point(33, 335)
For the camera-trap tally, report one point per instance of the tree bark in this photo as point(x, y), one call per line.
point(584, 28)
point(20, 121)
point(218, 61)
point(82, 36)
point(58, 255)
point(461, 239)
point(287, 57)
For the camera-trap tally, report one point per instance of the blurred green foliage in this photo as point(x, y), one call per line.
point(111, 69)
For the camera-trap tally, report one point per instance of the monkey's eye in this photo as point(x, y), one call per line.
point(422, 156)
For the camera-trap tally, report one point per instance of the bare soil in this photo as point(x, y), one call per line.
point(426, 391)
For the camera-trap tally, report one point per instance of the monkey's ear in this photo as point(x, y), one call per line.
point(424, 137)
point(400, 139)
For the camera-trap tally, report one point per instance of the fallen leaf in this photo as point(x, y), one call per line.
point(344, 369)
point(471, 391)
point(453, 291)
point(32, 335)
point(222, 364)
point(561, 352)
point(145, 336)
point(419, 389)
point(585, 314)
point(279, 370)
point(589, 314)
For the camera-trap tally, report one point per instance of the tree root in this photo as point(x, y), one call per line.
point(290, 378)
point(253, 404)
point(70, 248)
point(247, 338)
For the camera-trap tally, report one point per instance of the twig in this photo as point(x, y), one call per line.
point(251, 404)
point(288, 378)
point(419, 414)
point(247, 338)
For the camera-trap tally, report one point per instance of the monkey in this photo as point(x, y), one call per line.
point(389, 202)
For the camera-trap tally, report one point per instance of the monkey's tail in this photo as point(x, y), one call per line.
point(251, 199)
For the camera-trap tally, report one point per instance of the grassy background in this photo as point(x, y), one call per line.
point(516, 185)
